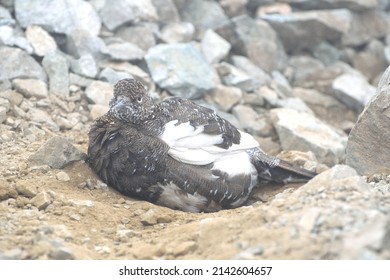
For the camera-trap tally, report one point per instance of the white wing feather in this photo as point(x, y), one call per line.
point(190, 145)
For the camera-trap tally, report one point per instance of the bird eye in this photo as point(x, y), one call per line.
point(139, 99)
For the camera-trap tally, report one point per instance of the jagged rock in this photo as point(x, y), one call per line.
point(127, 11)
point(5, 17)
point(62, 176)
point(168, 67)
point(177, 32)
point(234, 8)
point(166, 11)
point(130, 69)
point(31, 87)
point(226, 97)
point(26, 189)
point(41, 200)
point(255, 39)
point(99, 92)
point(10, 57)
point(368, 148)
point(214, 47)
point(42, 42)
point(251, 122)
point(57, 152)
point(41, 116)
point(125, 51)
point(258, 74)
point(56, 67)
point(366, 26)
point(371, 61)
point(353, 90)
point(6, 191)
point(203, 14)
point(84, 66)
point(233, 76)
point(355, 5)
point(304, 30)
point(111, 76)
point(11, 37)
point(80, 42)
point(326, 53)
point(304, 132)
point(140, 35)
point(13, 97)
point(63, 15)
point(3, 114)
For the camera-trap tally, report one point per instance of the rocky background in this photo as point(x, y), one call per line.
point(294, 73)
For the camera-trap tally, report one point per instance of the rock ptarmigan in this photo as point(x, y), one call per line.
point(179, 154)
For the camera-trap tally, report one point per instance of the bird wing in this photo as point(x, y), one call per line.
point(197, 135)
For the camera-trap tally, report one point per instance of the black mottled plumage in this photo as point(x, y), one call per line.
point(179, 154)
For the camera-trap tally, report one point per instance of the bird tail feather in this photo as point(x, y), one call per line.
point(272, 169)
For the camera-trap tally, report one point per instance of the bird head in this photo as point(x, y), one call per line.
point(131, 103)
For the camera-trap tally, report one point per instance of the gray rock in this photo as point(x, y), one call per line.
point(13, 97)
point(99, 92)
point(111, 76)
point(85, 66)
point(132, 70)
point(125, 51)
point(80, 42)
point(366, 26)
point(295, 104)
point(226, 97)
point(10, 57)
point(40, 116)
point(304, 30)
point(61, 253)
point(243, 63)
point(42, 42)
point(56, 67)
point(214, 47)
point(353, 90)
point(374, 237)
point(326, 53)
point(127, 11)
point(177, 32)
point(5, 17)
point(233, 76)
point(31, 87)
point(13, 38)
point(4, 103)
point(57, 152)
point(168, 65)
point(26, 189)
point(304, 132)
point(64, 15)
point(3, 114)
point(255, 39)
point(371, 61)
point(304, 67)
point(62, 176)
point(234, 8)
point(140, 35)
point(41, 200)
point(149, 218)
point(79, 81)
point(368, 148)
point(251, 122)
point(5, 85)
point(166, 11)
point(203, 14)
point(354, 5)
